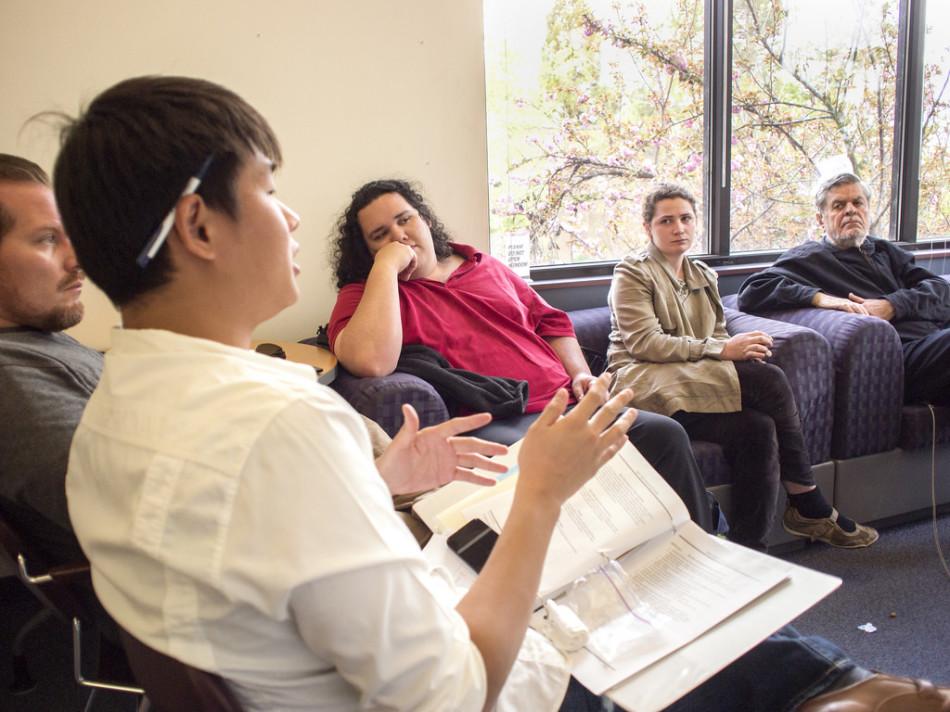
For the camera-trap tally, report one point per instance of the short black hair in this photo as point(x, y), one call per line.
point(125, 160)
point(14, 169)
point(351, 258)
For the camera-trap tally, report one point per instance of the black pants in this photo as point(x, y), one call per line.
point(927, 369)
point(762, 443)
point(662, 442)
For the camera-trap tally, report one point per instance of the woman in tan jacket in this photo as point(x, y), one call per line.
point(669, 343)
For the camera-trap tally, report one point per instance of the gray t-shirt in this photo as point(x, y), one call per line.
point(45, 380)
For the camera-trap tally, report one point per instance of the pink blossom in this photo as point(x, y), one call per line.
point(694, 162)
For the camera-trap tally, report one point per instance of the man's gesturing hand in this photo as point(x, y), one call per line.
point(561, 452)
point(419, 460)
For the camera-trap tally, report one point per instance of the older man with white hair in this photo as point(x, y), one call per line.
point(848, 270)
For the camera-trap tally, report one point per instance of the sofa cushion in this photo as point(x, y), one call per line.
point(869, 377)
point(381, 399)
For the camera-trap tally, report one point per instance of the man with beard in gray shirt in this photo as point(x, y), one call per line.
point(46, 377)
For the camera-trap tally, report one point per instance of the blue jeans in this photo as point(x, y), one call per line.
point(777, 675)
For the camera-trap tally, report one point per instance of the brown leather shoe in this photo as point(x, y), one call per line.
point(882, 693)
point(828, 530)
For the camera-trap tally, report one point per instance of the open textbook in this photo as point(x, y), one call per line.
point(645, 580)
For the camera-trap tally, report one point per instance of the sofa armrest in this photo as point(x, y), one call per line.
point(381, 399)
point(805, 357)
point(869, 378)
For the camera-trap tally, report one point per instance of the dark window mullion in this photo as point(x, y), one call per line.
point(905, 186)
point(718, 109)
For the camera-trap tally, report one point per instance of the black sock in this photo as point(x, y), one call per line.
point(812, 504)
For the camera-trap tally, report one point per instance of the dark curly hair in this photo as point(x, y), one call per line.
point(351, 258)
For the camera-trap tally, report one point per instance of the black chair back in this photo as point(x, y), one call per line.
point(54, 585)
point(66, 591)
point(172, 685)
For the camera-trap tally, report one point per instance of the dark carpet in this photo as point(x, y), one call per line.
point(899, 586)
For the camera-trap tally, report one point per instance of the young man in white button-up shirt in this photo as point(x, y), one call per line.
point(230, 506)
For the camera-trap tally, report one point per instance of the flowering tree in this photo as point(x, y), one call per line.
point(797, 105)
point(933, 212)
point(605, 119)
point(618, 103)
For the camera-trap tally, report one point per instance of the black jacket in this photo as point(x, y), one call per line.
point(878, 269)
point(461, 389)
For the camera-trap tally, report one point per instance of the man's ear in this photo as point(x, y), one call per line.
point(820, 219)
point(195, 227)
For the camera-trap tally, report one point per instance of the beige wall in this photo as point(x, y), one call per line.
point(355, 89)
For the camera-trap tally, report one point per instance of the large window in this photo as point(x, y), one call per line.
point(588, 102)
point(747, 102)
point(813, 87)
point(933, 212)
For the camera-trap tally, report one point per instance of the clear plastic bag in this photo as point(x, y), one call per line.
point(618, 620)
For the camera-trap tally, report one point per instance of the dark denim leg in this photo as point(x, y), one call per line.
point(927, 369)
point(665, 445)
point(765, 388)
point(777, 675)
point(747, 439)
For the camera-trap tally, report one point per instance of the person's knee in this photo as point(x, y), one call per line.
point(774, 386)
point(758, 433)
point(657, 432)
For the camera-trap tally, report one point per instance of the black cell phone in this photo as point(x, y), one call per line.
point(473, 543)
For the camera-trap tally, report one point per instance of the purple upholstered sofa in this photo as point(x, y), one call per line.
point(881, 449)
point(802, 353)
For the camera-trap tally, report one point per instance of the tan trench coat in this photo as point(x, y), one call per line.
point(671, 362)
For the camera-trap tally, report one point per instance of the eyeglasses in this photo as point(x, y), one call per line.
point(158, 238)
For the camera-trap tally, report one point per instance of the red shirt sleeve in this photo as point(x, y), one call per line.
point(346, 303)
point(547, 320)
